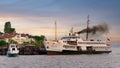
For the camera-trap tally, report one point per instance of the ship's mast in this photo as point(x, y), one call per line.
point(55, 31)
point(71, 32)
point(87, 28)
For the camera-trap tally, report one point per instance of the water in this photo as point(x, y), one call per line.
point(111, 60)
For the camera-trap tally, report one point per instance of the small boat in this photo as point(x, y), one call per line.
point(12, 50)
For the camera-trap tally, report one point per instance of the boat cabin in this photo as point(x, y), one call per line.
point(71, 40)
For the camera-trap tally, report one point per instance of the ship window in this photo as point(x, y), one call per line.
point(71, 37)
point(12, 46)
point(68, 46)
point(64, 41)
point(47, 46)
point(17, 49)
point(13, 49)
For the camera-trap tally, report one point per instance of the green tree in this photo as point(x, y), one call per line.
point(25, 43)
point(13, 41)
point(39, 40)
point(3, 43)
point(8, 29)
point(12, 30)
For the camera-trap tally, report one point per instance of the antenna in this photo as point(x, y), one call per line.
point(55, 31)
point(87, 28)
point(71, 31)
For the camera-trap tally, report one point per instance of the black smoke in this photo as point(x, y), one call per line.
point(103, 27)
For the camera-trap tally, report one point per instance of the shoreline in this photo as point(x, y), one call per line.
point(26, 50)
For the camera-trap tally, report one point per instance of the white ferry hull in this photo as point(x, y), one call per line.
point(68, 47)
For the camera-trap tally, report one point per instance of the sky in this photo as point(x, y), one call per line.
point(37, 17)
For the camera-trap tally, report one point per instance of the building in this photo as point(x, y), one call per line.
point(19, 38)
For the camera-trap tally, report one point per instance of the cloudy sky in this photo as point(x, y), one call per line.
point(38, 16)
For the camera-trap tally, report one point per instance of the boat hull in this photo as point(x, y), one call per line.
point(12, 55)
point(68, 52)
point(53, 53)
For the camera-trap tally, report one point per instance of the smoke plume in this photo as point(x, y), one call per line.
point(103, 27)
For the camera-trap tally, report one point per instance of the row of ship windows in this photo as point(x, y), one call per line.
point(69, 46)
point(100, 47)
point(74, 47)
point(87, 42)
point(90, 43)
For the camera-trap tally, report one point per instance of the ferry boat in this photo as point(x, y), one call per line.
point(74, 44)
point(12, 50)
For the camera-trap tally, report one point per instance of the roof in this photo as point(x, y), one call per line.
point(6, 35)
point(11, 35)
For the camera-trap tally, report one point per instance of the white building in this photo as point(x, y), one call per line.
point(20, 38)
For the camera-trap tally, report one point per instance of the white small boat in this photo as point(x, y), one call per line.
point(12, 50)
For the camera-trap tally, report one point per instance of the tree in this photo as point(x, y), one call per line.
point(13, 41)
point(39, 40)
point(12, 30)
point(3, 43)
point(8, 29)
point(25, 43)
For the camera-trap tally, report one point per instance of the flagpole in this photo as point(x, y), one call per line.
point(55, 31)
point(87, 28)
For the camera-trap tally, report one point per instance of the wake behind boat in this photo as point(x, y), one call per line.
point(12, 50)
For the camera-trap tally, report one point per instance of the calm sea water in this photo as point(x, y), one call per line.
point(111, 60)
